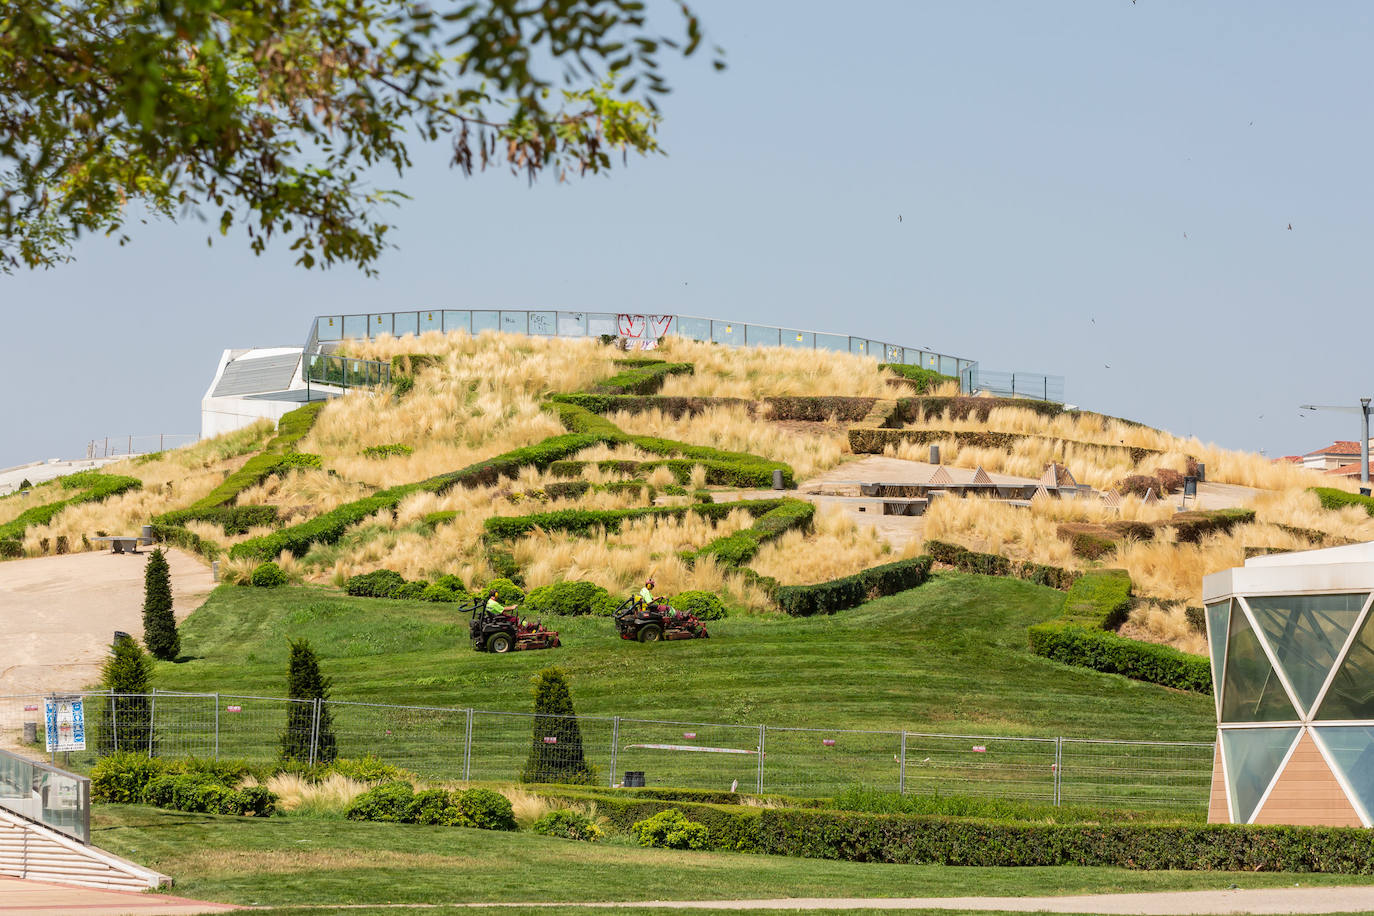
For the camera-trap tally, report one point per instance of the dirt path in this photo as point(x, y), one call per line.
point(59, 614)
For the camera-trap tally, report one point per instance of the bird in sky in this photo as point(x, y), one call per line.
point(1106, 366)
point(899, 217)
point(1290, 227)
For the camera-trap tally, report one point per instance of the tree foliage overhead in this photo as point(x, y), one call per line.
point(279, 114)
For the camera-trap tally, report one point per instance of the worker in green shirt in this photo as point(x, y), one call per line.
point(646, 595)
point(496, 607)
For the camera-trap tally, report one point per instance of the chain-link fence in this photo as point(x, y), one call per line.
point(471, 744)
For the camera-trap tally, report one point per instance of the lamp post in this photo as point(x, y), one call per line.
point(1363, 411)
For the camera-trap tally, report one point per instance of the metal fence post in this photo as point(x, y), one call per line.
point(901, 770)
point(763, 734)
point(1058, 769)
point(615, 744)
point(114, 718)
point(152, 717)
point(314, 731)
point(217, 726)
point(467, 749)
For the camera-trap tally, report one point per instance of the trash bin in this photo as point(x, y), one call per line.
point(634, 779)
point(935, 454)
point(777, 480)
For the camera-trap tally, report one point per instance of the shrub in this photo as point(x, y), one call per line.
point(556, 744)
point(379, 583)
point(267, 575)
point(365, 769)
point(437, 592)
point(605, 605)
point(403, 385)
point(584, 521)
point(159, 623)
point(1100, 598)
point(640, 377)
point(671, 830)
point(410, 591)
point(565, 598)
point(567, 489)
point(1074, 644)
point(991, 564)
point(921, 379)
point(507, 592)
point(304, 720)
point(852, 591)
point(124, 722)
point(119, 776)
point(437, 807)
point(1091, 542)
point(11, 549)
point(863, 441)
point(705, 605)
point(569, 825)
point(392, 802)
point(819, 409)
point(233, 519)
point(487, 810)
point(1331, 498)
point(386, 451)
point(1197, 619)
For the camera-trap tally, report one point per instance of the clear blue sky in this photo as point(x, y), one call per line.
point(1047, 161)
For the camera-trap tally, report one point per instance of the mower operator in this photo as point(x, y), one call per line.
point(496, 607)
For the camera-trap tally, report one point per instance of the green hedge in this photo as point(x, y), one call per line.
point(291, 428)
point(185, 539)
point(852, 591)
point(97, 486)
point(233, 519)
point(1100, 598)
point(874, 441)
point(681, 406)
point(963, 407)
point(583, 521)
point(1331, 498)
point(322, 529)
point(819, 409)
point(739, 547)
point(921, 378)
point(640, 376)
point(992, 564)
point(1100, 650)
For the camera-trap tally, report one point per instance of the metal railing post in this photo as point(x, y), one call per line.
point(467, 750)
point(114, 719)
point(901, 771)
point(763, 734)
point(615, 745)
point(152, 717)
point(216, 726)
point(314, 731)
point(1058, 770)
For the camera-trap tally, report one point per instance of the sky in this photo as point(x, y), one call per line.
point(1100, 190)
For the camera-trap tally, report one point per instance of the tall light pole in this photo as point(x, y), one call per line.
point(1363, 411)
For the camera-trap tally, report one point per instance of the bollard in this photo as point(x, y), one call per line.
point(777, 479)
point(30, 732)
point(935, 454)
point(146, 539)
point(1201, 471)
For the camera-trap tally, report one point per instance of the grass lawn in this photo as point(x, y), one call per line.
point(294, 860)
point(950, 656)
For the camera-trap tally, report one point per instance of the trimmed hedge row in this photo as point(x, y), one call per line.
point(640, 376)
point(583, 521)
point(185, 539)
point(992, 564)
point(291, 428)
point(818, 409)
point(322, 529)
point(962, 407)
point(921, 379)
point(633, 403)
point(1100, 598)
point(233, 519)
point(852, 591)
point(925, 840)
point(1331, 498)
point(1074, 644)
point(739, 547)
point(1092, 541)
point(183, 785)
point(98, 487)
point(874, 441)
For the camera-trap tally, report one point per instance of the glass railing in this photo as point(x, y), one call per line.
point(328, 330)
point(1036, 385)
point(47, 795)
point(345, 372)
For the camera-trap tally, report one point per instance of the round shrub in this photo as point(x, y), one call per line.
point(706, 605)
point(267, 575)
point(436, 592)
point(670, 830)
point(452, 582)
point(379, 583)
point(569, 825)
point(487, 810)
point(605, 605)
point(438, 807)
point(410, 591)
point(566, 598)
point(507, 592)
point(391, 801)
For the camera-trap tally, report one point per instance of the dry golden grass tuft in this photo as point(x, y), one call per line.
point(757, 372)
point(298, 795)
point(837, 547)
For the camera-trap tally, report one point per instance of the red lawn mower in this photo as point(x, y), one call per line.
point(501, 633)
point(651, 622)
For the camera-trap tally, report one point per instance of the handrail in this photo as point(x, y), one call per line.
point(46, 795)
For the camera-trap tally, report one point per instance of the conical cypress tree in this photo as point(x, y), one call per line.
point(124, 724)
point(305, 682)
point(560, 759)
point(159, 624)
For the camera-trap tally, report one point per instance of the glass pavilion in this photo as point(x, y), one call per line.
point(1292, 648)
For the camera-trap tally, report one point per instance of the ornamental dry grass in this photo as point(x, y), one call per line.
point(734, 429)
point(836, 547)
point(757, 372)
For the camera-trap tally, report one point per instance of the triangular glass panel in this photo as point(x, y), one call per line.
point(1306, 634)
point(1218, 623)
point(1252, 757)
point(1351, 694)
point(1352, 748)
point(1251, 690)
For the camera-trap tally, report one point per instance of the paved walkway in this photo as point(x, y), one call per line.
point(39, 898)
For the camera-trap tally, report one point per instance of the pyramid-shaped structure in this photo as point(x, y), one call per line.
point(941, 478)
point(980, 476)
point(1111, 499)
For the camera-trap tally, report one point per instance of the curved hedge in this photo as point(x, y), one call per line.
point(852, 591)
point(1100, 650)
point(583, 521)
point(739, 547)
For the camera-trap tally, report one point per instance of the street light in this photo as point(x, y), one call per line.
point(1363, 411)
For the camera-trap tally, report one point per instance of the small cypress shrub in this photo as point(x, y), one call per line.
point(159, 623)
point(124, 723)
point(304, 681)
point(559, 759)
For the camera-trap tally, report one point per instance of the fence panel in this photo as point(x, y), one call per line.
point(813, 761)
point(1134, 774)
point(1021, 768)
point(428, 741)
point(689, 755)
point(505, 747)
point(258, 729)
